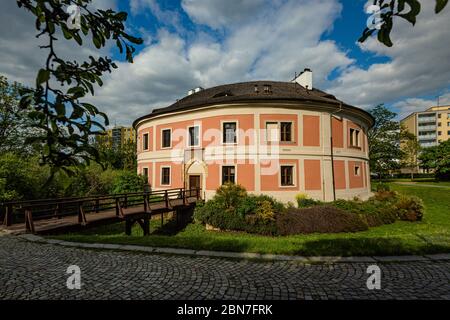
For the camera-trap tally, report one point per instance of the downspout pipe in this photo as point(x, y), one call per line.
point(331, 149)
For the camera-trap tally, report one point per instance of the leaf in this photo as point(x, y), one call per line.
point(43, 76)
point(440, 5)
point(412, 14)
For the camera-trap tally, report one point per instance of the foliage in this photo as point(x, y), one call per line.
point(320, 219)
point(233, 209)
point(406, 9)
point(123, 156)
point(24, 178)
point(411, 148)
point(303, 201)
point(438, 159)
point(128, 181)
point(230, 195)
point(14, 122)
point(63, 120)
point(381, 187)
point(410, 208)
point(384, 141)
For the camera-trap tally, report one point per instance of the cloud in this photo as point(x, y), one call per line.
point(218, 13)
point(419, 63)
point(406, 107)
point(251, 49)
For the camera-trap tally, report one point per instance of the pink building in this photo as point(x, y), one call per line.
point(276, 138)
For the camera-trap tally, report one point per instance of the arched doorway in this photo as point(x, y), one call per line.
point(195, 175)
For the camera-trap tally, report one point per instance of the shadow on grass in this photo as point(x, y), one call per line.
point(370, 246)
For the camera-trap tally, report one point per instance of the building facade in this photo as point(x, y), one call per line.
point(431, 126)
point(276, 138)
point(118, 136)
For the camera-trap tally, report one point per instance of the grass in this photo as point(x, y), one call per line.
point(432, 235)
point(423, 181)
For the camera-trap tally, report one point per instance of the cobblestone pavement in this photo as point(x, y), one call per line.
point(38, 271)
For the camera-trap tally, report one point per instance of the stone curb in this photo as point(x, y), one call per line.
point(237, 255)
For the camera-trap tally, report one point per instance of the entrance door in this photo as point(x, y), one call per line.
point(194, 182)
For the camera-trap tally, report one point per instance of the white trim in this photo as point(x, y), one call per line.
point(161, 175)
point(148, 141)
point(235, 173)
point(161, 134)
point(237, 132)
point(294, 175)
point(188, 140)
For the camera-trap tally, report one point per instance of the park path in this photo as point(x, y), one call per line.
point(31, 270)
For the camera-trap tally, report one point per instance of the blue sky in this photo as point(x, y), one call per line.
point(190, 43)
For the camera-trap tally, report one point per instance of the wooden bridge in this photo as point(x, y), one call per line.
point(72, 214)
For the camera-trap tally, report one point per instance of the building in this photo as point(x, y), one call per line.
point(431, 126)
point(276, 138)
point(118, 136)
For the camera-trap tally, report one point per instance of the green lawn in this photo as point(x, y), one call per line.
point(432, 235)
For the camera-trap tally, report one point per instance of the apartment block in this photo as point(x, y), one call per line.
point(431, 126)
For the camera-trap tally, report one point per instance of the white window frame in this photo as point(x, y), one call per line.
point(188, 138)
point(162, 138)
point(148, 141)
point(355, 138)
point(235, 173)
point(222, 122)
point(161, 176)
point(294, 175)
point(357, 170)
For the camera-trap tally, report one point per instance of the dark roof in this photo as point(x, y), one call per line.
point(245, 92)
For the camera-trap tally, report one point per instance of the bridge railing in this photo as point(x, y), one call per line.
point(27, 211)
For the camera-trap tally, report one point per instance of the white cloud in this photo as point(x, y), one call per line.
point(255, 49)
point(405, 107)
point(419, 63)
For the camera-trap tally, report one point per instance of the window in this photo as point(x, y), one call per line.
point(267, 88)
point(286, 131)
point(287, 175)
point(448, 124)
point(165, 176)
point(272, 131)
point(145, 172)
point(439, 124)
point(357, 170)
point(354, 137)
point(228, 174)
point(194, 140)
point(448, 115)
point(439, 115)
point(448, 132)
point(439, 133)
point(229, 132)
point(166, 139)
point(145, 141)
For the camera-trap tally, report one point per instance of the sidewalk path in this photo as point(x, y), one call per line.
point(33, 270)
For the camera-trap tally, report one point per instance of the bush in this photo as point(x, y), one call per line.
point(229, 195)
point(382, 187)
point(409, 208)
point(127, 181)
point(303, 201)
point(320, 219)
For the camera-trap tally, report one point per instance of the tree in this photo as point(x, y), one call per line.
point(438, 159)
point(14, 122)
point(411, 148)
point(65, 121)
point(405, 9)
point(384, 141)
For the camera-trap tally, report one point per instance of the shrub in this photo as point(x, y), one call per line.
point(382, 187)
point(303, 201)
point(128, 181)
point(230, 195)
point(409, 208)
point(321, 219)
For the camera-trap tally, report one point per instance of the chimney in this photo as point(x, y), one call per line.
point(305, 79)
point(195, 90)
